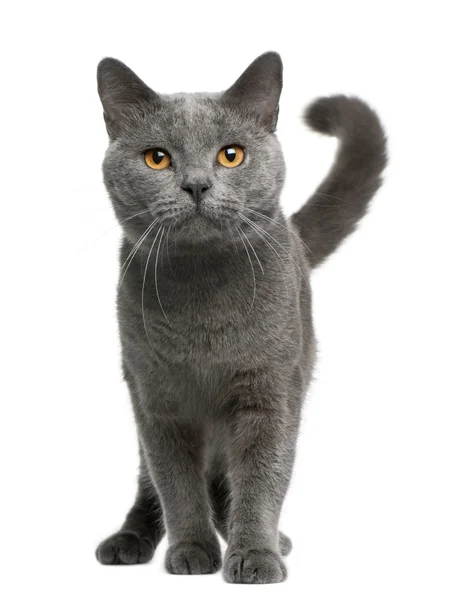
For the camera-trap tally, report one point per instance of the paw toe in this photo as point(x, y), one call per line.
point(192, 559)
point(285, 544)
point(125, 548)
point(254, 566)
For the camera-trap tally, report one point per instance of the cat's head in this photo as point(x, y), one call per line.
point(192, 161)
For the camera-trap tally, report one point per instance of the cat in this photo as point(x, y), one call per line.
point(214, 306)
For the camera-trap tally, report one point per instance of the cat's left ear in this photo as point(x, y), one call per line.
point(120, 89)
point(258, 89)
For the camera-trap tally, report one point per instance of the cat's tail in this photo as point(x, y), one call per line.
point(340, 201)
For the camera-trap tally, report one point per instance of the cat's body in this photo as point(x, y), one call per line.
point(214, 309)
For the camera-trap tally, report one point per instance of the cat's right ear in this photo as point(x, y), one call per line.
point(120, 89)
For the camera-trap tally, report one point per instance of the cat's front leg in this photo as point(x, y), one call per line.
point(260, 466)
point(174, 450)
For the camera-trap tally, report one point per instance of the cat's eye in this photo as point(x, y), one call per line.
point(230, 156)
point(156, 158)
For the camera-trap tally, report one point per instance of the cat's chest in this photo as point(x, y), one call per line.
point(221, 316)
point(210, 317)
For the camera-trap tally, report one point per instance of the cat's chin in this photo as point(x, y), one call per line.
point(199, 228)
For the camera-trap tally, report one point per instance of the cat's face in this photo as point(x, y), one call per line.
point(194, 162)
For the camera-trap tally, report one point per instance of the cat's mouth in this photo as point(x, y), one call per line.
point(198, 224)
point(201, 218)
point(206, 219)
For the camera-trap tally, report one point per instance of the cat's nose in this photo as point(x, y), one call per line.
point(196, 189)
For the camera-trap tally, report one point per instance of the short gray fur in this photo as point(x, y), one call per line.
point(214, 308)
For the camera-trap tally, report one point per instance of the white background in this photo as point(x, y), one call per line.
point(368, 509)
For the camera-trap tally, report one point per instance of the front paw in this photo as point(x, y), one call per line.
point(191, 558)
point(125, 548)
point(255, 565)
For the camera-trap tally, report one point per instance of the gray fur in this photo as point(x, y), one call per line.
point(214, 310)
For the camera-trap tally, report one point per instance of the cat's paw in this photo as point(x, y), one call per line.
point(125, 548)
point(257, 565)
point(188, 558)
point(284, 543)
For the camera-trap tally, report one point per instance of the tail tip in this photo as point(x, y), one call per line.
point(321, 115)
point(344, 117)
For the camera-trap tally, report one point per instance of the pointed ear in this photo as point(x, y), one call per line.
point(119, 89)
point(258, 89)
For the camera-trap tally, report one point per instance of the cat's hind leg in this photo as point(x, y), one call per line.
point(143, 529)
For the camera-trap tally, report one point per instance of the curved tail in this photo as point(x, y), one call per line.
point(340, 201)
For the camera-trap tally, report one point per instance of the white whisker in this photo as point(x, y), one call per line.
point(277, 255)
point(277, 242)
point(134, 251)
point(143, 291)
point(283, 226)
point(330, 196)
point(167, 248)
point(251, 265)
point(119, 224)
point(136, 245)
point(156, 276)
point(254, 251)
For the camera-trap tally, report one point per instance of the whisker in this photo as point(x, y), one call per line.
point(332, 205)
point(137, 243)
point(253, 270)
point(143, 212)
point(176, 238)
point(283, 226)
point(156, 276)
point(277, 242)
point(254, 251)
point(277, 255)
point(143, 292)
point(119, 224)
point(167, 248)
point(134, 251)
point(330, 196)
point(232, 237)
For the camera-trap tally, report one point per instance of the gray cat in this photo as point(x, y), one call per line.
point(214, 306)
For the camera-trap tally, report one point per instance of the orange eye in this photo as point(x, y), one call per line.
point(231, 156)
point(156, 158)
